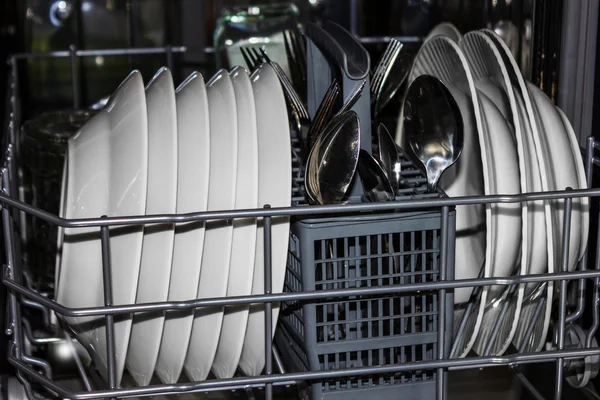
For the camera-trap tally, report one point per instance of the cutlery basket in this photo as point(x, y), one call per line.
point(367, 251)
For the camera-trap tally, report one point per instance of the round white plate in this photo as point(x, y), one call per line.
point(193, 166)
point(536, 341)
point(107, 175)
point(275, 189)
point(445, 29)
point(157, 248)
point(241, 268)
point(507, 174)
point(563, 172)
point(214, 273)
point(581, 177)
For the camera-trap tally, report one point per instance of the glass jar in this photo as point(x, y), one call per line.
point(253, 26)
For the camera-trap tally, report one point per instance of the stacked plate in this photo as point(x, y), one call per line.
point(516, 141)
point(164, 150)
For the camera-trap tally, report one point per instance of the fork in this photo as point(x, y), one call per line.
point(389, 56)
point(288, 88)
point(296, 56)
point(323, 113)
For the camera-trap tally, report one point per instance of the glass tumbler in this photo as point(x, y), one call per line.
point(43, 144)
point(254, 26)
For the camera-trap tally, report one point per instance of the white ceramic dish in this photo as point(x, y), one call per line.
point(508, 175)
point(214, 274)
point(157, 248)
point(536, 341)
point(562, 168)
point(445, 29)
point(193, 166)
point(581, 177)
point(442, 58)
point(106, 175)
point(275, 189)
point(505, 153)
point(243, 248)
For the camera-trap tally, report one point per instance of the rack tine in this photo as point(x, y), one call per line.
point(247, 59)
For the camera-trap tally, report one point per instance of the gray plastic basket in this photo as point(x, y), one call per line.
point(365, 251)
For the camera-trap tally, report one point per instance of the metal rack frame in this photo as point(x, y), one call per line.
point(21, 294)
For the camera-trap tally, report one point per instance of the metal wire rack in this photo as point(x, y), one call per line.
point(35, 372)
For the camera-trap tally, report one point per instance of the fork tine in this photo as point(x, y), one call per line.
point(292, 58)
point(287, 85)
point(294, 97)
point(247, 59)
point(300, 57)
point(323, 112)
point(385, 58)
point(389, 55)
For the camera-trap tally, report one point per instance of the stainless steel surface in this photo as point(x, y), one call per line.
point(398, 72)
point(387, 154)
point(322, 114)
point(352, 98)
point(333, 159)
point(382, 69)
point(375, 182)
point(433, 125)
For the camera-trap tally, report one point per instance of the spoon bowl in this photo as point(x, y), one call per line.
point(387, 154)
point(376, 185)
point(333, 160)
point(433, 126)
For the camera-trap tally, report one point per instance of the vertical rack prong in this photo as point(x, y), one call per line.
point(592, 144)
point(75, 77)
point(108, 301)
point(268, 305)
point(562, 303)
point(14, 117)
point(441, 382)
point(589, 164)
point(12, 266)
point(169, 55)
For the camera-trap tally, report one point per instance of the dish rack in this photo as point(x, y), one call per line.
point(367, 304)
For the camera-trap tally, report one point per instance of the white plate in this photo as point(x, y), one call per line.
point(445, 29)
point(503, 156)
point(581, 176)
point(507, 173)
point(193, 163)
point(157, 248)
point(244, 230)
point(537, 340)
point(107, 175)
point(275, 189)
point(562, 170)
point(219, 234)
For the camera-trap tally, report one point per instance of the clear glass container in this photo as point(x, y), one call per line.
point(253, 26)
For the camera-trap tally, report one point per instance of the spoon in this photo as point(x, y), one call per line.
point(332, 160)
point(393, 79)
point(433, 126)
point(388, 156)
point(376, 185)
